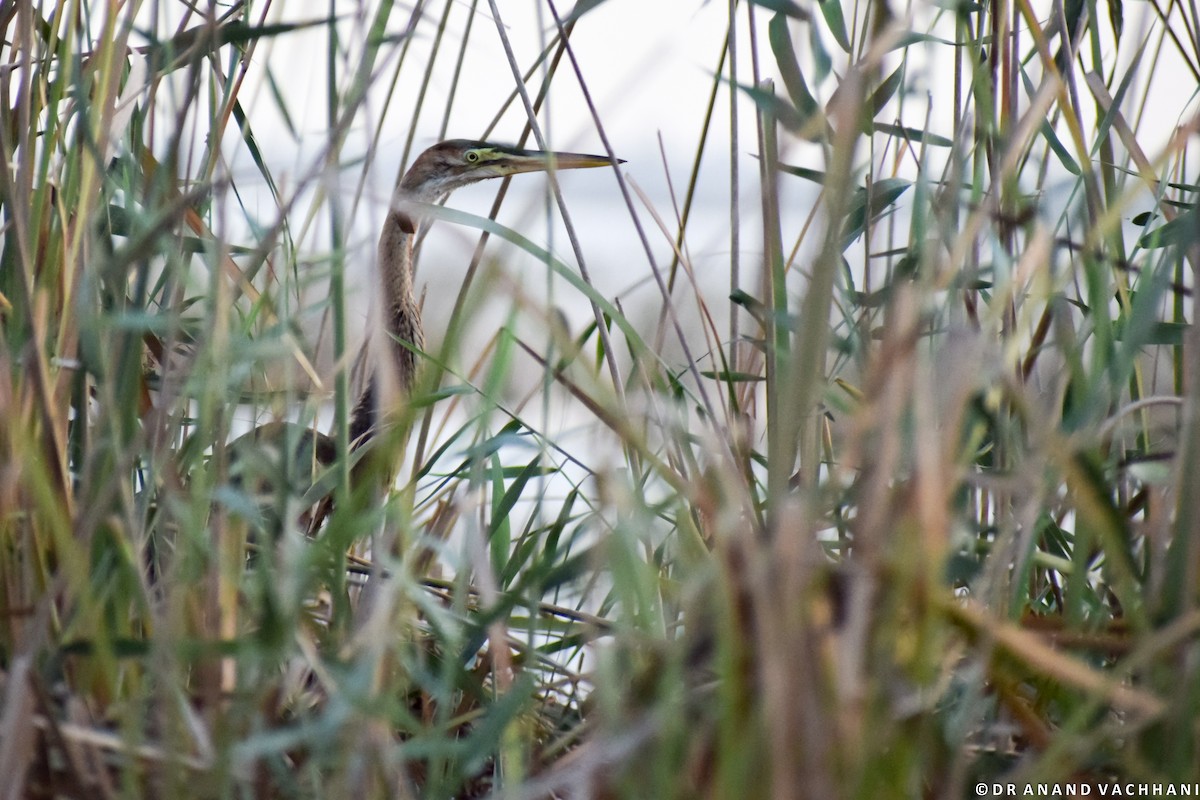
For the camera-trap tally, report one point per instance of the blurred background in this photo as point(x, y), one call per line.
point(842, 442)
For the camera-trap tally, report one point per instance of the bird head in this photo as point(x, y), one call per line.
point(456, 163)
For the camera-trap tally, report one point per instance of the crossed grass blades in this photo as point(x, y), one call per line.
point(902, 500)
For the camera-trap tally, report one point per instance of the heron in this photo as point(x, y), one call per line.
point(435, 174)
point(398, 335)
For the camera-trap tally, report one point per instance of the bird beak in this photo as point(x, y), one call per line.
point(517, 161)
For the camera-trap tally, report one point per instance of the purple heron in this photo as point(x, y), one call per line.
point(432, 177)
point(391, 364)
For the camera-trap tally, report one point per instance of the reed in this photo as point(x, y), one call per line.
point(894, 500)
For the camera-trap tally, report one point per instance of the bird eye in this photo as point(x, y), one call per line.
point(472, 156)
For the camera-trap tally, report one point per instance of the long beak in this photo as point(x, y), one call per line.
point(517, 161)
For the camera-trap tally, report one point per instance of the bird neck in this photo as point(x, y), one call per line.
point(393, 366)
point(401, 316)
point(396, 255)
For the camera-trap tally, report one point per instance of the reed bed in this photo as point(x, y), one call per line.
point(897, 499)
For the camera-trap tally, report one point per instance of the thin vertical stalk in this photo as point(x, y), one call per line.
point(735, 219)
point(781, 452)
point(337, 270)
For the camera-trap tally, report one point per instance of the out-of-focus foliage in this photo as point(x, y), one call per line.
point(903, 506)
